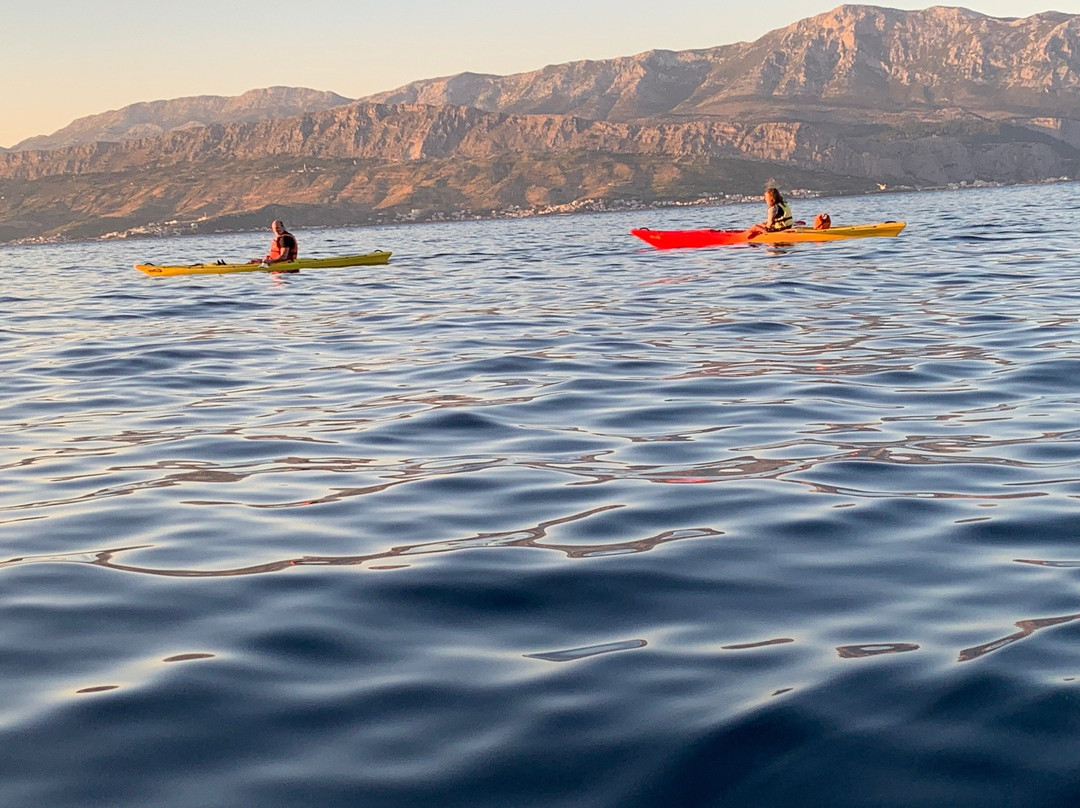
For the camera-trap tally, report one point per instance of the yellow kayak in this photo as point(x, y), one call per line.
point(366, 259)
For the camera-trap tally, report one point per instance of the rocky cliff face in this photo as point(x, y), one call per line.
point(153, 118)
point(927, 154)
point(877, 59)
point(633, 87)
point(408, 132)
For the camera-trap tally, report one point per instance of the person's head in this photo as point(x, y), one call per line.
point(772, 196)
point(278, 226)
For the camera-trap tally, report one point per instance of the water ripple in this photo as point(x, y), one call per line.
point(318, 539)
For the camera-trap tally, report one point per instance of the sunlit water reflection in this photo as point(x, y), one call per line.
point(538, 515)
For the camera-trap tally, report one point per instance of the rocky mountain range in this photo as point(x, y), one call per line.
point(152, 118)
point(848, 101)
point(848, 61)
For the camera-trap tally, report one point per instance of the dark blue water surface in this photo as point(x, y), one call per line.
point(538, 516)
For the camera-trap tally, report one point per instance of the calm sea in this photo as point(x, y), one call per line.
point(538, 516)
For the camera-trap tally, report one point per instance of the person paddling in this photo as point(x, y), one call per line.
point(284, 247)
point(779, 217)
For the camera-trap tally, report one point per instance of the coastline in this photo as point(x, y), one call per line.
point(174, 228)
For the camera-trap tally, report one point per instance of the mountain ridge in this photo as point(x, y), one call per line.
point(152, 118)
point(857, 98)
point(789, 68)
point(857, 54)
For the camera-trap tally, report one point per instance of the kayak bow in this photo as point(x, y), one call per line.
point(366, 259)
point(673, 239)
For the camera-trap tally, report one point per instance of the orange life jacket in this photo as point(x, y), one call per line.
point(285, 244)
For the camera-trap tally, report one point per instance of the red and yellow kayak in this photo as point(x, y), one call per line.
point(673, 239)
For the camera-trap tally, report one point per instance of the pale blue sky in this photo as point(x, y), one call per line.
point(61, 61)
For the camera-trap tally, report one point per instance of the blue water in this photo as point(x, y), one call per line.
point(538, 516)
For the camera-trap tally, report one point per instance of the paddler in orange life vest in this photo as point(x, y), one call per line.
point(282, 248)
point(779, 217)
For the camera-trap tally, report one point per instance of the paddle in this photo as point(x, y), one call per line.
point(751, 236)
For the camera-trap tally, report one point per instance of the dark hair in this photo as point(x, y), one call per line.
point(776, 195)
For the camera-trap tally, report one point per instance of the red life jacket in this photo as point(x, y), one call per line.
point(285, 244)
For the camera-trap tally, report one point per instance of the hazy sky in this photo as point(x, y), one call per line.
point(62, 60)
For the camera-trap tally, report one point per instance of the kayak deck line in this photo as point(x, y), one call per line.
point(333, 262)
point(675, 239)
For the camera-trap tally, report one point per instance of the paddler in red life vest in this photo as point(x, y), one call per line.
point(779, 217)
point(282, 248)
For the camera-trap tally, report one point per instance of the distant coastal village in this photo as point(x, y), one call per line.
point(417, 216)
point(178, 228)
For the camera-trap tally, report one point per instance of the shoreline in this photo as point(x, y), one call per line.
point(176, 228)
